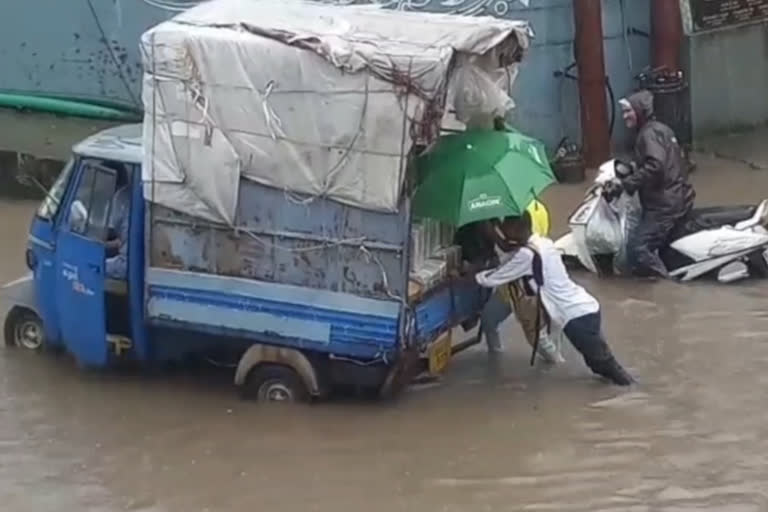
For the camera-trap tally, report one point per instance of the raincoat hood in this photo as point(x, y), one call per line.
point(642, 103)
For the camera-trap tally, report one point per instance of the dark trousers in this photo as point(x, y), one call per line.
point(586, 335)
point(645, 241)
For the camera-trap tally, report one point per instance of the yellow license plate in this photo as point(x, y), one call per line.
point(440, 354)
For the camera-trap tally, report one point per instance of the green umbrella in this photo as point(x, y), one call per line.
point(480, 175)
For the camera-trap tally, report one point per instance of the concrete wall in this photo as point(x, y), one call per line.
point(728, 73)
point(55, 47)
point(549, 107)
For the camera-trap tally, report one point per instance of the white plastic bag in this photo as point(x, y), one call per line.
point(476, 94)
point(604, 231)
point(629, 212)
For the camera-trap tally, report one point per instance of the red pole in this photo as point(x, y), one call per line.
point(666, 33)
point(590, 62)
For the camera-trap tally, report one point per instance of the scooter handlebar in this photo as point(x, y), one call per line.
point(623, 169)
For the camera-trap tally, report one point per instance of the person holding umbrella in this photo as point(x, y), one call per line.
point(482, 248)
point(569, 307)
point(471, 179)
point(477, 176)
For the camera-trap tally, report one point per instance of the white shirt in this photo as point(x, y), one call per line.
point(563, 299)
point(120, 207)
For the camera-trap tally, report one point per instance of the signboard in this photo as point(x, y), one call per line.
point(715, 14)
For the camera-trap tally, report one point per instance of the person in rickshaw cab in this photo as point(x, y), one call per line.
point(119, 219)
point(569, 307)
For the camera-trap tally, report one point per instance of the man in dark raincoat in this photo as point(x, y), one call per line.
point(660, 178)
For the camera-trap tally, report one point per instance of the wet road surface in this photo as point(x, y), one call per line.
point(693, 436)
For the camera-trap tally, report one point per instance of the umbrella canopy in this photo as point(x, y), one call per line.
point(480, 175)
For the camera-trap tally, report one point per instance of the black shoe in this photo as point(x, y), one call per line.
point(619, 376)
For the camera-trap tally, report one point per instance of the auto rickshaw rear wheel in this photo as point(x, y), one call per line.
point(274, 383)
point(24, 329)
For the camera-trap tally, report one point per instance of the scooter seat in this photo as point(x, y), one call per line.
point(718, 216)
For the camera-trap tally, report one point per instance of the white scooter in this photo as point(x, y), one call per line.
point(729, 242)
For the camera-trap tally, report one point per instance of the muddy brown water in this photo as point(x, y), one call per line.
point(693, 436)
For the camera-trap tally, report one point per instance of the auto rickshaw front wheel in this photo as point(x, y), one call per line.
point(24, 329)
point(274, 383)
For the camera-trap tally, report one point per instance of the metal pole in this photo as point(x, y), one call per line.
point(667, 34)
point(590, 61)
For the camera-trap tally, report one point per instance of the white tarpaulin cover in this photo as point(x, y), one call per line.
point(311, 98)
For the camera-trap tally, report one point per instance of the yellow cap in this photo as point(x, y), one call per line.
point(539, 218)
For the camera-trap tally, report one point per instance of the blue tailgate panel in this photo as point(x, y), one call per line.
point(331, 322)
point(446, 308)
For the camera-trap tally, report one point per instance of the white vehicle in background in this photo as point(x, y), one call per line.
point(727, 242)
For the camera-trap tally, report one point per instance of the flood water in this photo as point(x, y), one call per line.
point(693, 436)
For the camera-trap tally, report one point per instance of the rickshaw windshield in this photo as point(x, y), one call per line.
point(50, 205)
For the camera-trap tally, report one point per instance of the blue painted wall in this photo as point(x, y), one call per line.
point(549, 107)
point(57, 48)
